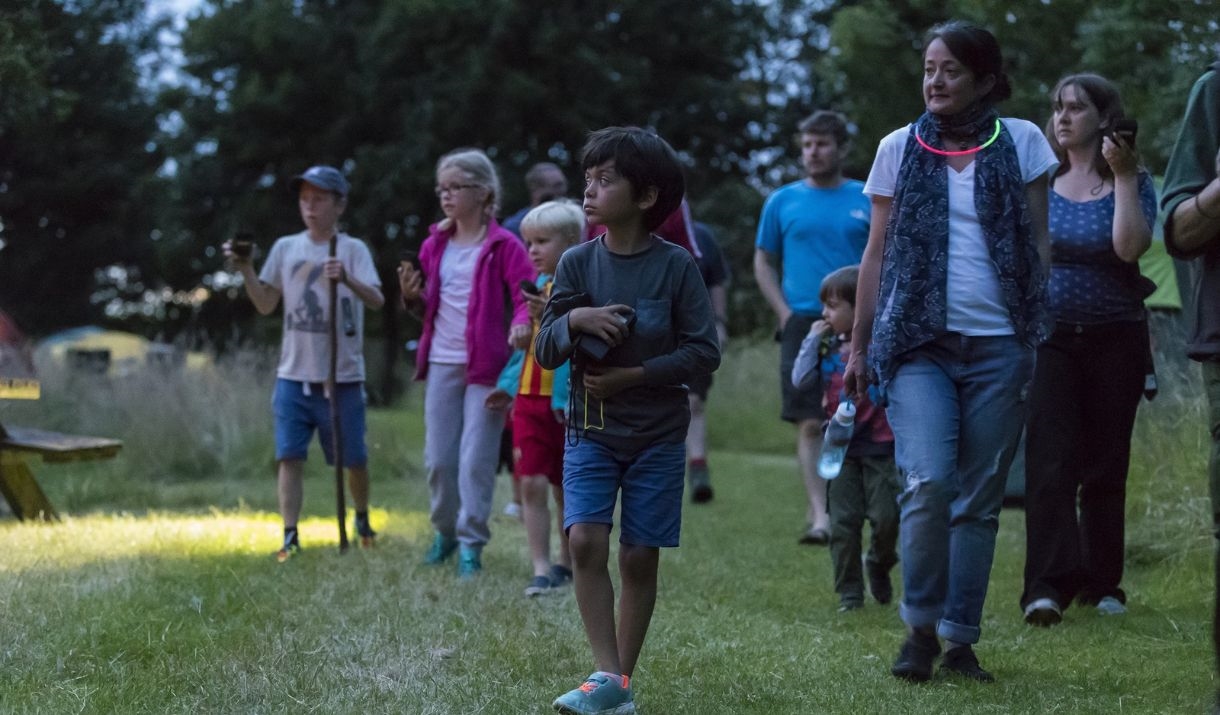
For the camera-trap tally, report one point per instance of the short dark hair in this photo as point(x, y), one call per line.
point(825, 121)
point(840, 284)
point(645, 160)
point(978, 50)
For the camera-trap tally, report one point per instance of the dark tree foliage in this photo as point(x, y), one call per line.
point(77, 159)
point(383, 89)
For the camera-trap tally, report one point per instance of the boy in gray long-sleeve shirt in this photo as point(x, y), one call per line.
point(643, 299)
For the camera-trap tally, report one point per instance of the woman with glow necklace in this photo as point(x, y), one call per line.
point(950, 305)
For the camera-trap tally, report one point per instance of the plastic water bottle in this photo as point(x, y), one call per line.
point(834, 444)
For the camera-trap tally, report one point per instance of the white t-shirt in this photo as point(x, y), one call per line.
point(457, 275)
point(976, 303)
point(294, 267)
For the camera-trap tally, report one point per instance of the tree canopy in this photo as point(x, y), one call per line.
point(118, 180)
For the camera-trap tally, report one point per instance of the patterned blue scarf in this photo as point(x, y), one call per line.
point(912, 300)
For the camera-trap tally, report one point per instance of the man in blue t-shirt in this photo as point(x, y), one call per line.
point(808, 229)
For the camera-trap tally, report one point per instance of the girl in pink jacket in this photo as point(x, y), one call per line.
point(468, 283)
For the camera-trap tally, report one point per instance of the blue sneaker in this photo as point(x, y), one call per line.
point(442, 548)
point(469, 562)
point(600, 694)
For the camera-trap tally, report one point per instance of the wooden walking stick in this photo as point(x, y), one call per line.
point(336, 434)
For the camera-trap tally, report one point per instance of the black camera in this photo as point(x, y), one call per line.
point(594, 348)
point(589, 347)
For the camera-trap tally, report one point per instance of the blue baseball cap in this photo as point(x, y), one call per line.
point(323, 177)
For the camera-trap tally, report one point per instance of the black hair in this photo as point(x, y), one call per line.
point(645, 160)
point(978, 50)
point(825, 121)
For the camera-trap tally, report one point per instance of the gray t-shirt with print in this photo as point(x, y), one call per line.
point(294, 267)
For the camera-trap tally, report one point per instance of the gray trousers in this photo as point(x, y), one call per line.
point(461, 452)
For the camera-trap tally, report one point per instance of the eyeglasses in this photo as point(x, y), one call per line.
point(453, 189)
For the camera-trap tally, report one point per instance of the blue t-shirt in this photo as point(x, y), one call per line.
point(814, 231)
point(1089, 282)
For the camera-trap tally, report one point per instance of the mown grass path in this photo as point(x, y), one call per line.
point(175, 612)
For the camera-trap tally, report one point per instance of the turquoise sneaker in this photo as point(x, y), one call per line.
point(600, 694)
point(469, 562)
point(441, 550)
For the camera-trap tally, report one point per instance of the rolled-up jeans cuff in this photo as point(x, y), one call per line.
point(958, 633)
point(921, 618)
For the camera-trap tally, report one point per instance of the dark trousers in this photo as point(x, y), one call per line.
point(1211, 385)
point(1087, 385)
point(867, 488)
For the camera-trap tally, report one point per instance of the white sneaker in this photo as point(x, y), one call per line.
point(1111, 606)
point(513, 510)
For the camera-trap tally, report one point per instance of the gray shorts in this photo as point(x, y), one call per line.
point(798, 405)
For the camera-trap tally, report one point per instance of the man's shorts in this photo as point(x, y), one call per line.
point(651, 482)
point(537, 439)
point(699, 385)
point(799, 405)
point(302, 407)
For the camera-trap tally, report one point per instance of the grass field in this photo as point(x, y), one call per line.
point(158, 594)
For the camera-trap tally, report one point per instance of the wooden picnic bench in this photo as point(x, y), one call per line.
point(18, 445)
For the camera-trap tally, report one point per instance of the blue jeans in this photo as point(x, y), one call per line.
point(956, 406)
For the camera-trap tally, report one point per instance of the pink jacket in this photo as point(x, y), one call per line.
point(495, 301)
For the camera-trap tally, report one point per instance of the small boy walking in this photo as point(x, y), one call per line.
point(631, 312)
point(867, 487)
point(540, 399)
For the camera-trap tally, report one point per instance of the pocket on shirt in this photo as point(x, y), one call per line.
point(652, 319)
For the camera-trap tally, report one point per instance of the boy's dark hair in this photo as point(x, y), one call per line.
point(644, 159)
point(840, 284)
point(825, 121)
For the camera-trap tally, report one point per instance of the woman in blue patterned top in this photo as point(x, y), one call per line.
point(1090, 374)
point(950, 304)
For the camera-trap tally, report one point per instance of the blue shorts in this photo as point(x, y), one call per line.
point(297, 415)
point(651, 482)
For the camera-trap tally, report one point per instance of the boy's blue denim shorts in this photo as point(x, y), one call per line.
point(298, 414)
point(651, 482)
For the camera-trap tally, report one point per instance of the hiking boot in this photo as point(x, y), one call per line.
point(600, 694)
point(1043, 612)
point(964, 662)
point(470, 562)
point(442, 548)
point(700, 484)
point(879, 583)
point(560, 576)
point(538, 586)
point(915, 658)
point(365, 533)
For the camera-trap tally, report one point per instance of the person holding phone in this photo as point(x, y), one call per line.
point(1090, 374)
point(467, 287)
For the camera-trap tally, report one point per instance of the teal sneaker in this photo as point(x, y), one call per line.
point(442, 549)
point(600, 694)
point(469, 562)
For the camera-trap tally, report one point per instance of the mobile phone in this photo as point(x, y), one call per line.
point(529, 287)
point(1127, 129)
point(242, 244)
point(412, 257)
